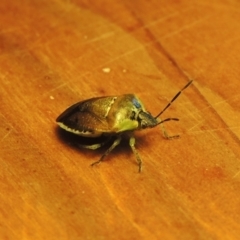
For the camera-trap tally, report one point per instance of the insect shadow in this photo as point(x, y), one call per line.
point(76, 142)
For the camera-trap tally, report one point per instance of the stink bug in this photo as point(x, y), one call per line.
point(111, 116)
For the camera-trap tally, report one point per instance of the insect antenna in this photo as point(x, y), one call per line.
point(169, 104)
point(168, 119)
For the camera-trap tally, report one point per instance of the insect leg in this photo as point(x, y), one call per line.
point(132, 145)
point(96, 145)
point(115, 143)
point(165, 133)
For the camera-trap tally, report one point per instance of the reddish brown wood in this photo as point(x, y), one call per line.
point(55, 53)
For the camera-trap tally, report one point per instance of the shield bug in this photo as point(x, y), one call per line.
point(111, 117)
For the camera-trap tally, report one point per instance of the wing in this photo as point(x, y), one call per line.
point(87, 118)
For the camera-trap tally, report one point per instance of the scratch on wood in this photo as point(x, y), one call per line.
point(6, 135)
point(101, 37)
point(236, 174)
point(190, 25)
point(54, 89)
point(212, 130)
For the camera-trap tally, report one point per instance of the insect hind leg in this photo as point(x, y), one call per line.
point(115, 143)
point(95, 145)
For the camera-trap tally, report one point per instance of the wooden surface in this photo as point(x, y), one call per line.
point(56, 53)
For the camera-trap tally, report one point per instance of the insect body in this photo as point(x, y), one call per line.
point(111, 116)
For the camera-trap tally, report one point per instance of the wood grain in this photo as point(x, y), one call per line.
point(56, 53)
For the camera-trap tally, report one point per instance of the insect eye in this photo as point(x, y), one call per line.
point(143, 124)
point(133, 115)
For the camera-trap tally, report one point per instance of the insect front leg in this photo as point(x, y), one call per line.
point(115, 143)
point(165, 133)
point(132, 145)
